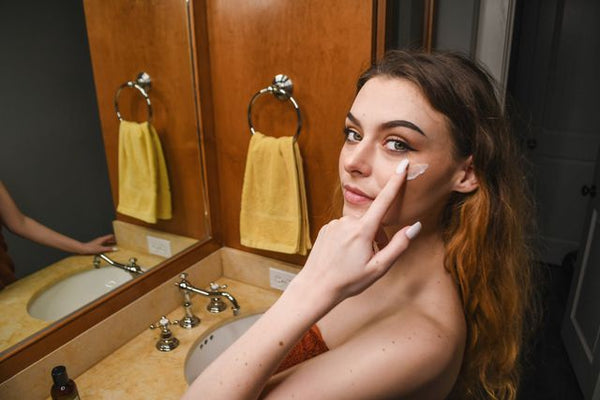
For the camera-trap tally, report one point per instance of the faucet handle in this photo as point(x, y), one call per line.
point(163, 323)
point(216, 286)
point(166, 341)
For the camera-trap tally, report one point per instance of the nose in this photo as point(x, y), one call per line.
point(357, 159)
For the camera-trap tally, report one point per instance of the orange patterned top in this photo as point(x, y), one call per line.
point(311, 345)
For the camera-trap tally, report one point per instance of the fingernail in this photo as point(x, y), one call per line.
point(413, 230)
point(115, 248)
point(402, 166)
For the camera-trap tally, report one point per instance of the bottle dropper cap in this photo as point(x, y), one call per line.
point(59, 375)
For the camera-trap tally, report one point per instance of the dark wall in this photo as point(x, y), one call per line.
point(51, 152)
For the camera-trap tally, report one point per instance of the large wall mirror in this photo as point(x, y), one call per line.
point(62, 63)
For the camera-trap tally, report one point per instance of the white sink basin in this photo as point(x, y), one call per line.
point(75, 291)
point(210, 345)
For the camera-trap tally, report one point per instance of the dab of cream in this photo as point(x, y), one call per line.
point(414, 170)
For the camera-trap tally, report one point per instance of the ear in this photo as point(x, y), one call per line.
point(466, 181)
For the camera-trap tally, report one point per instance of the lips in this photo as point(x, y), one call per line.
point(355, 196)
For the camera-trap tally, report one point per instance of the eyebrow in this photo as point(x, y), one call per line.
point(391, 124)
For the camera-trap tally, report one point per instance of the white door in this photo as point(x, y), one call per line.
point(581, 326)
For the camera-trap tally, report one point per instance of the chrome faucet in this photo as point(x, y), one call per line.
point(215, 293)
point(131, 267)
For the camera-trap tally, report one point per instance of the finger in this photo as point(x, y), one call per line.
point(381, 239)
point(385, 198)
point(384, 259)
point(109, 237)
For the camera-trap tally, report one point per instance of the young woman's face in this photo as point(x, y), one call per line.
point(391, 120)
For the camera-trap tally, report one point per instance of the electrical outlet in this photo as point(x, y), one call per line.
point(160, 247)
point(280, 279)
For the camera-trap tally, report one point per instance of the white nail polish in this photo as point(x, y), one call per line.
point(402, 166)
point(413, 230)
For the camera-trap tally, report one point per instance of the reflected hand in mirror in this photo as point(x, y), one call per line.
point(20, 224)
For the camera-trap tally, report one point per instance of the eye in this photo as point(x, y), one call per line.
point(397, 145)
point(352, 136)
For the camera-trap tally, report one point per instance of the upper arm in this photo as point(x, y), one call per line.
point(414, 360)
point(10, 215)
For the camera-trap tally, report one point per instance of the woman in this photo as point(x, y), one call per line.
point(420, 290)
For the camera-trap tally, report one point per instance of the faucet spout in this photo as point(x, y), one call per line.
point(235, 306)
point(214, 293)
point(132, 267)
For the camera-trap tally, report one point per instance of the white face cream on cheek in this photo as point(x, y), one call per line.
point(416, 170)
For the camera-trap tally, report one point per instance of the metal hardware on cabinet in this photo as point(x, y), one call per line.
point(143, 84)
point(281, 87)
point(589, 190)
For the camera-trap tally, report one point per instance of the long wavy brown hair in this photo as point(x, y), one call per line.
point(485, 231)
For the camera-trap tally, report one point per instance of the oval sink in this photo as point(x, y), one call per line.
point(75, 291)
point(210, 345)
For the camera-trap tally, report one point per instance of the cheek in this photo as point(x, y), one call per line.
point(418, 199)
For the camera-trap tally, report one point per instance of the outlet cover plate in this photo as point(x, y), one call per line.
point(158, 246)
point(280, 279)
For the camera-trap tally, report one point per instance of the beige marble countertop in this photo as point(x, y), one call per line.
point(137, 370)
point(15, 298)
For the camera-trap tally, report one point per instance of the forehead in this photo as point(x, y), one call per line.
point(383, 99)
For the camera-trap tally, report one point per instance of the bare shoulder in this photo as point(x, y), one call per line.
point(419, 352)
point(408, 355)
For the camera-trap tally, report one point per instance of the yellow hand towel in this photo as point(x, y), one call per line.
point(274, 211)
point(144, 191)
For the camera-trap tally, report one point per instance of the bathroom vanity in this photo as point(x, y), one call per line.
point(117, 358)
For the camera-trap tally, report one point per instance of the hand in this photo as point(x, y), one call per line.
point(102, 244)
point(343, 259)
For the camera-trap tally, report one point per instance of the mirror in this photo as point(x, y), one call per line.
point(53, 159)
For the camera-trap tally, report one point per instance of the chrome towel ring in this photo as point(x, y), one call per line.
point(143, 83)
point(281, 88)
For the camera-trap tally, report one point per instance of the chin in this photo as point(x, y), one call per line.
point(353, 211)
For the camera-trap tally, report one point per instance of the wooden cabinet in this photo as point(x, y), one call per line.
point(323, 46)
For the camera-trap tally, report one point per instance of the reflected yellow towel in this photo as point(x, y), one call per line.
point(274, 211)
point(144, 191)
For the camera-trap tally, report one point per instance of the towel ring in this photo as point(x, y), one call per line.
point(281, 88)
point(143, 83)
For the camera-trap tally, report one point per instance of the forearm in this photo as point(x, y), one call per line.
point(243, 370)
point(33, 230)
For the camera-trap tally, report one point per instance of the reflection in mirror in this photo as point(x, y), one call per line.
point(59, 289)
point(52, 158)
point(54, 163)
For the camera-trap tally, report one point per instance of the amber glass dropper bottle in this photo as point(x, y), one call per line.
point(63, 387)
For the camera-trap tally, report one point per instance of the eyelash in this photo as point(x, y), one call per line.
point(348, 134)
point(405, 147)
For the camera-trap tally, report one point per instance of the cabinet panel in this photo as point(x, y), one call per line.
point(323, 46)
